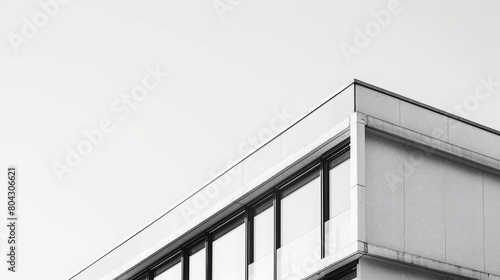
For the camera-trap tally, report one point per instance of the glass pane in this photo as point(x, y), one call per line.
point(172, 273)
point(262, 267)
point(300, 211)
point(300, 229)
point(340, 188)
point(229, 255)
point(197, 266)
point(263, 233)
point(338, 227)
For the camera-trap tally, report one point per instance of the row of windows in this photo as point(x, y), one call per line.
point(280, 235)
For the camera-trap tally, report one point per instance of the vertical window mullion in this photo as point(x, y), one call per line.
point(277, 230)
point(208, 253)
point(325, 210)
point(261, 242)
point(248, 239)
point(228, 249)
point(185, 264)
point(195, 260)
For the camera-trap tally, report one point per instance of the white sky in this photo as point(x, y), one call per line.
point(227, 78)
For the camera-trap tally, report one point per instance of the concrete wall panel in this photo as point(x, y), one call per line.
point(411, 275)
point(492, 223)
point(384, 193)
point(424, 186)
point(473, 138)
point(369, 270)
point(377, 105)
point(431, 207)
point(464, 216)
point(424, 121)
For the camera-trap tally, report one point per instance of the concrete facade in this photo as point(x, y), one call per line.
point(425, 192)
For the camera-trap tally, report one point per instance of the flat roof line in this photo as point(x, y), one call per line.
point(425, 106)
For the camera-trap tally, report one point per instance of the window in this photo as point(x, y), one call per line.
point(171, 270)
point(197, 264)
point(228, 254)
point(300, 225)
point(262, 266)
point(284, 233)
point(338, 225)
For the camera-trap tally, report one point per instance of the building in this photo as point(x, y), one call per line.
point(369, 185)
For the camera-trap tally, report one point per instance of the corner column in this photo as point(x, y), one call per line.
point(357, 150)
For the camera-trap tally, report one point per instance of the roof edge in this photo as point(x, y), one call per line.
point(425, 106)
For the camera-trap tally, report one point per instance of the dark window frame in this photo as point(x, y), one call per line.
point(190, 249)
point(245, 215)
point(348, 270)
point(341, 154)
point(293, 183)
point(256, 207)
point(165, 264)
point(218, 231)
